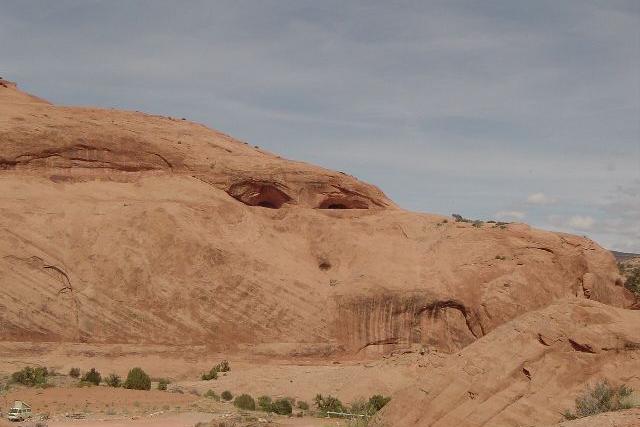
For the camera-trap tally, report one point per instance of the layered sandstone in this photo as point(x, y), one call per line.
point(123, 227)
point(527, 371)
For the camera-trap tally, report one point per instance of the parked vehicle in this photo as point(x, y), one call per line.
point(20, 411)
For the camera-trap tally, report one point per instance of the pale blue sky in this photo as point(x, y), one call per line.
point(525, 110)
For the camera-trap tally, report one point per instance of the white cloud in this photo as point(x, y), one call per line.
point(540, 199)
point(620, 226)
point(614, 222)
point(510, 214)
point(581, 222)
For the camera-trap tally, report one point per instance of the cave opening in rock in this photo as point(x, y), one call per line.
point(342, 203)
point(263, 194)
point(324, 265)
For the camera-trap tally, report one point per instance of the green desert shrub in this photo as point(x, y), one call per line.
point(223, 366)
point(213, 372)
point(328, 404)
point(633, 281)
point(603, 397)
point(264, 403)
point(303, 405)
point(377, 402)
point(282, 407)
point(211, 375)
point(244, 401)
point(226, 395)
point(113, 380)
point(137, 379)
point(30, 376)
point(163, 383)
point(92, 376)
point(74, 372)
point(360, 407)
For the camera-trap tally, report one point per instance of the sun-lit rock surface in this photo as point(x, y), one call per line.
point(124, 227)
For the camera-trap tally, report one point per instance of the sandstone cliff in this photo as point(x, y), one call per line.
point(124, 227)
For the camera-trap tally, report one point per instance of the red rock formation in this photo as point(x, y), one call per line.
point(529, 369)
point(127, 227)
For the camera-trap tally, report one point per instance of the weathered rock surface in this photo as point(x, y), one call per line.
point(527, 371)
point(123, 227)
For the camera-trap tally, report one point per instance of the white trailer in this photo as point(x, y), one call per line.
point(20, 411)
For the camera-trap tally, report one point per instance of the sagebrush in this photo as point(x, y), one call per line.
point(92, 376)
point(113, 380)
point(328, 404)
point(223, 366)
point(245, 401)
point(603, 397)
point(137, 379)
point(30, 376)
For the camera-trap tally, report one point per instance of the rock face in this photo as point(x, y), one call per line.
point(124, 227)
point(530, 368)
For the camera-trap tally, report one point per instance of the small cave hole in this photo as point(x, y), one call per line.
point(342, 203)
point(324, 265)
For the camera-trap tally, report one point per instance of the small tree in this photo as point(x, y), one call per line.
point(244, 401)
point(226, 395)
point(113, 380)
point(92, 376)
point(74, 372)
point(282, 407)
point(137, 379)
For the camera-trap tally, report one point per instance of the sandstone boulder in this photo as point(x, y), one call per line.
point(531, 368)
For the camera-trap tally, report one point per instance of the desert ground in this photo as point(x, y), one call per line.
point(183, 404)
